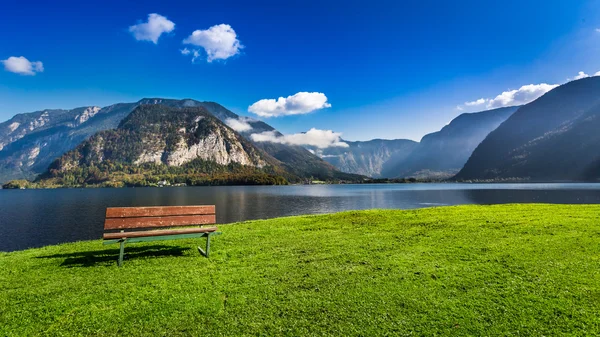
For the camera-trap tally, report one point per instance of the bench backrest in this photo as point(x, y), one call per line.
point(155, 217)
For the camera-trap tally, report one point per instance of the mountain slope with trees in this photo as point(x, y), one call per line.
point(555, 137)
point(442, 154)
point(298, 159)
point(28, 152)
point(174, 145)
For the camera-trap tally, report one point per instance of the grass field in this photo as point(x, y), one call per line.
point(522, 270)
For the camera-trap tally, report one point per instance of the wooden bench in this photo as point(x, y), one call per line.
point(143, 222)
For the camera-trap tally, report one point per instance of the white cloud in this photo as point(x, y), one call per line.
point(220, 42)
point(314, 137)
point(477, 102)
point(580, 75)
point(300, 103)
point(523, 95)
point(241, 124)
point(597, 30)
point(22, 66)
point(194, 52)
point(196, 55)
point(152, 29)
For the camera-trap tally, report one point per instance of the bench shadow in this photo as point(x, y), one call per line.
point(109, 256)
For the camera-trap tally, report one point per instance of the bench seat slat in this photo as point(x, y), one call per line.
point(167, 221)
point(141, 234)
point(127, 212)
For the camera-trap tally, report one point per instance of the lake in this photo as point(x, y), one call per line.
point(35, 218)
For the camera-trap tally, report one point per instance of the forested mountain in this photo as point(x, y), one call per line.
point(555, 137)
point(158, 143)
point(439, 155)
point(552, 138)
point(442, 154)
point(32, 141)
point(367, 158)
point(297, 159)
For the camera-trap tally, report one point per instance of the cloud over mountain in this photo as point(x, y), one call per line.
point(240, 124)
point(152, 29)
point(477, 102)
point(22, 66)
point(220, 42)
point(297, 104)
point(580, 75)
point(523, 95)
point(313, 137)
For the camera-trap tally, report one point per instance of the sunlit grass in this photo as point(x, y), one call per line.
point(469, 270)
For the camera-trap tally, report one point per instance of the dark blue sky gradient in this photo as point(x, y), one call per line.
point(391, 69)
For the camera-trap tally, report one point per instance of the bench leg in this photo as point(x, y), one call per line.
point(208, 245)
point(121, 253)
point(207, 251)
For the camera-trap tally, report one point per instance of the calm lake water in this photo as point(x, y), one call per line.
point(35, 218)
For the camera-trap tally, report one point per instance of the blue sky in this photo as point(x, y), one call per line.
point(388, 69)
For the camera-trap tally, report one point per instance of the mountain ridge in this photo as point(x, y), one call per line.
point(26, 157)
point(443, 153)
point(159, 143)
point(552, 138)
point(366, 157)
point(439, 155)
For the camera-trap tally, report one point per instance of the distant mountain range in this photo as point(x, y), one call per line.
point(554, 138)
point(30, 142)
point(439, 155)
point(367, 158)
point(442, 154)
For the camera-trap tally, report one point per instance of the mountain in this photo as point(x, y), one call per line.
point(366, 158)
point(155, 143)
point(24, 124)
point(297, 159)
point(552, 138)
point(30, 142)
point(442, 154)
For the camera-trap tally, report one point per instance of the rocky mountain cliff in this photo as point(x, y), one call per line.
point(32, 141)
point(40, 137)
point(552, 138)
point(22, 125)
point(367, 158)
point(170, 136)
point(152, 140)
point(297, 159)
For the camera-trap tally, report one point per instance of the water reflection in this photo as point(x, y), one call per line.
point(33, 218)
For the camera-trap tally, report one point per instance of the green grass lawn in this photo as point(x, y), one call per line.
point(526, 270)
